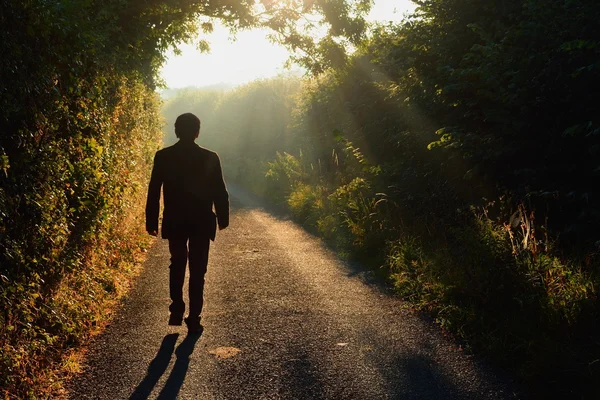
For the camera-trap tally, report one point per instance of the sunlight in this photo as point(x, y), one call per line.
point(251, 56)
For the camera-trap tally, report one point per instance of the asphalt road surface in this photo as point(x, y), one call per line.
point(283, 319)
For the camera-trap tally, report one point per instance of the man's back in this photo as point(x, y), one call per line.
point(193, 182)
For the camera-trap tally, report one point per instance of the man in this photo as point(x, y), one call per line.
point(192, 183)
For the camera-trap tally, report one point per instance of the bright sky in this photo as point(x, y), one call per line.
point(250, 57)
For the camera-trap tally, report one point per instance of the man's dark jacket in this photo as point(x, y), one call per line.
point(192, 182)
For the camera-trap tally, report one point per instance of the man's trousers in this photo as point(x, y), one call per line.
point(195, 249)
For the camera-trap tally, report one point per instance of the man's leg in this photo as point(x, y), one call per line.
point(179, 255)
point(199, 247)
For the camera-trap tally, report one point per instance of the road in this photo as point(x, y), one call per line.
point(284, 318)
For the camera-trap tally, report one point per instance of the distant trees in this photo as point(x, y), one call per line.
point(246, 125)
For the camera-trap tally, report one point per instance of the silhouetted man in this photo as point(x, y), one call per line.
point(192, 183)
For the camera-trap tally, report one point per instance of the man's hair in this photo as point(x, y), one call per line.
point(187, 126)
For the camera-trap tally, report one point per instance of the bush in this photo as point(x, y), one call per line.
point(79, 130)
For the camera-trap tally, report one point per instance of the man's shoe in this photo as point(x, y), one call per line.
point(175, 319)
point(193, 325)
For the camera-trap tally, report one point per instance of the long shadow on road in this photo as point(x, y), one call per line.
point(177, 376)
point(157, 368)
point(159, 365)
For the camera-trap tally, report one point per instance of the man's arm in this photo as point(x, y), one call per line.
point(221, 196)
point(153, 200)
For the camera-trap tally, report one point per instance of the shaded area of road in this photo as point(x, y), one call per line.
point(284, 319)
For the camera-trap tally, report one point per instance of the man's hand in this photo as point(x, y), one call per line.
point(153, 233)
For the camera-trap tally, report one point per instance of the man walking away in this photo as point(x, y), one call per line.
point(192, 182)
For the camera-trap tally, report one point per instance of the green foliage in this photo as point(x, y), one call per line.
point(283, 175)
point(71, 211)
point(79, 128)
point(511, 85)
point(305, 202)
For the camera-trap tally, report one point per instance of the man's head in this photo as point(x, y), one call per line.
point(187, 126)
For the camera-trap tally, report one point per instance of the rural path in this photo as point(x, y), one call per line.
point(284, 319)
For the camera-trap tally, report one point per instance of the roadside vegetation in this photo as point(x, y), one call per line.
point(79, 129)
